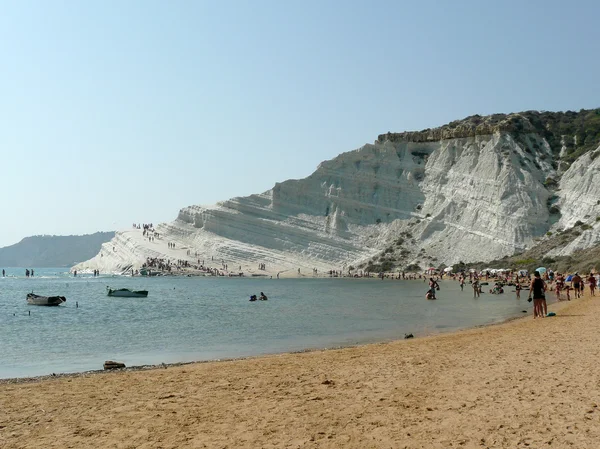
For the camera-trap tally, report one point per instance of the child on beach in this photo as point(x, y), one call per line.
point(518, 290)
point(568, 290)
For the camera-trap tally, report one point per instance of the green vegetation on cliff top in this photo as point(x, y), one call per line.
point(578, 132)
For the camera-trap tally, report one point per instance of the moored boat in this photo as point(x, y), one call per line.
point(37, 300)
point(127, 293)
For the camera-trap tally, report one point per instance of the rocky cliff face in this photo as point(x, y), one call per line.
point(476, 189)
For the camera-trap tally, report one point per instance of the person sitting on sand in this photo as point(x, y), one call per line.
point(263, 297)
point(537, 288)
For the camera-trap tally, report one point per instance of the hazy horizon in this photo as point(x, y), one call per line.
point(115, 113)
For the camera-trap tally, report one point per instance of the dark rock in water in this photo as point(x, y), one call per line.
point(409, 336)
point(109, 364)
point(524, 311)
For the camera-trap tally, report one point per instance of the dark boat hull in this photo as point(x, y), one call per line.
point(36, 300)
point(126, 293)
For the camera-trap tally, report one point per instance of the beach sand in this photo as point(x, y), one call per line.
point(524, 383)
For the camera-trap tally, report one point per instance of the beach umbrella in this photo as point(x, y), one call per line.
point(541, 270)
point(447, 269)
point(569, 277)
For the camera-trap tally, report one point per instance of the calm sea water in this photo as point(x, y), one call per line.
point(186, 319)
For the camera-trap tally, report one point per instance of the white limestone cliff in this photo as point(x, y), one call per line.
point(429, 201)
point(579, 201)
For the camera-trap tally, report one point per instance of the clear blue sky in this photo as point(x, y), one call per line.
point(116, 112)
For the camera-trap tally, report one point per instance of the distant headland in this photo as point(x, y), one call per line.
point(53, 250)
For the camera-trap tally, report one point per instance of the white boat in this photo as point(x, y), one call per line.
point(126, 293)
point(38, 300)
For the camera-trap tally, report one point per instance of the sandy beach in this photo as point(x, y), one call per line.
point(524, 383)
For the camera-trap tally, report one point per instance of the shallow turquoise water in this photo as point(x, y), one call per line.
point(185, 319)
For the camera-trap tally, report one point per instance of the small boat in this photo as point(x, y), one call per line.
point(38, 300)
point(126, 293)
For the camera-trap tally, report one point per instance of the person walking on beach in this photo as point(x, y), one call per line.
point(537, 288)
point(592, 282)
point(576, 281)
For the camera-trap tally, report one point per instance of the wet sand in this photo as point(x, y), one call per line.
point(524, 383)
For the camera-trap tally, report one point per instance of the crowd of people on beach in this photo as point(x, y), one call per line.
point(183, 265)
point(537, 284)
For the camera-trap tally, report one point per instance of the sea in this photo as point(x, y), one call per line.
point(210, 318)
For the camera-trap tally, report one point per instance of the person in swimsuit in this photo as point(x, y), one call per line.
point(433, 285)
point(576, 281)
point(592, 282)
point(560, 283)
point(476, 289)
point(537, 288)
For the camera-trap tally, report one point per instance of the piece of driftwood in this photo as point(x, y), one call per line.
point(109, 364)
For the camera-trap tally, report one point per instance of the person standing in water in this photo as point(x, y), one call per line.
point(433, 286)
point(476, 290)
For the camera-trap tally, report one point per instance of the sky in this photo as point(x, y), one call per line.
point(117, 112)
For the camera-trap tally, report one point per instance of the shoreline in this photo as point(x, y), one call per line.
point(523, 382)
point(553, 306)
point(162, 365)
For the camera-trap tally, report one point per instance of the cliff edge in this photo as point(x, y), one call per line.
point(476, 189)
